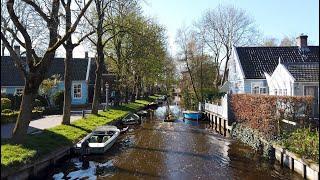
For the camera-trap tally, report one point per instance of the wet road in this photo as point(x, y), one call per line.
point(166, 150)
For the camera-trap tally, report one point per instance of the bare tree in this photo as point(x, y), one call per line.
point(36, 67)
point(269, 42)
point(224, 27)
point(288, 41)
point(186, 44)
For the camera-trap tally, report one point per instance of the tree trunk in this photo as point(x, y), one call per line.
point(97, 88)
point(21, 127)
point(100, 58)
point(67, 86)
point(67, 69)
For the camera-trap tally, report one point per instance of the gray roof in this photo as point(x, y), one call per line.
point(10, 76)
point(304, 72)
point(257, 60)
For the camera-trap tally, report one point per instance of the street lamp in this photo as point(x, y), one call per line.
point(107, 89)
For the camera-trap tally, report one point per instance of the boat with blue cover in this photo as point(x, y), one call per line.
point(193, 115)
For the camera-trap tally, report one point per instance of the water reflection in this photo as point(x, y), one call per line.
point(165, 150)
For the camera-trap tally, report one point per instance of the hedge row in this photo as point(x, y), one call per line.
point(12, 117)
point(264, 112)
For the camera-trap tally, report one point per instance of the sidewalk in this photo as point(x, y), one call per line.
point(36, 125)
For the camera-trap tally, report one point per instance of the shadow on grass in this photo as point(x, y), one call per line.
point(34, 147)
point(79, 127)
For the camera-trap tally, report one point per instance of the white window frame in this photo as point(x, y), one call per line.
point(263, 87)
point(16, 91)
point(258, 85)
point(275, 91)
point(3, 90)
point(73, 88)
point(285, 92)
point(280, 92)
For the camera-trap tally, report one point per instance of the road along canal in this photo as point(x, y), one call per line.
point(172, 150)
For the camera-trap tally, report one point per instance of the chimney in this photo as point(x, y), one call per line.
point(17, 50)
point(302, 41)
point(86, 55)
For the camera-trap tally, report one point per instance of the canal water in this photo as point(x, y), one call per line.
point(172, 150)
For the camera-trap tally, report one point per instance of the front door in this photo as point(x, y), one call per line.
point(313, 91)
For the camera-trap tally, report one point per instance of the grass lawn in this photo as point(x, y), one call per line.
point(37, 146)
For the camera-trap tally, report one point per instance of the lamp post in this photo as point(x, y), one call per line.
point(107, 89)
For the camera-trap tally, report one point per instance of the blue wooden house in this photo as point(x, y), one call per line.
point(82, 76)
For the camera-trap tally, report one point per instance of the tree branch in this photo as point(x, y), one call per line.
point(13, 55)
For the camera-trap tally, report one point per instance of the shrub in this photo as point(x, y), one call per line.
point(9, 117)
point(264, 112)
point(58, 99)
point(303, 142)
point(5, 103)
point(6, 111)
point(41, 101)
point(15, 100)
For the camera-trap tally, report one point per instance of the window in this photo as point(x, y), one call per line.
point(19, 91)
point(77, 91)
point(3, 90)
point(284, 92)
point(275, 92)
point(255, 90)
point(280, 92)
point(263, 90)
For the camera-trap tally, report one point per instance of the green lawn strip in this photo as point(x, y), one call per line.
point(37, 146)
point(303, 142)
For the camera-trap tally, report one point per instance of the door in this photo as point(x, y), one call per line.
point(313, 91)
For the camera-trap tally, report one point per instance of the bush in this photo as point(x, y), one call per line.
point(58, 99)
point(5, 103)
point(6, 111)
point(264, 112)
point(40, 101)
point(303, 142)
point(15, 100)
point(9, 117)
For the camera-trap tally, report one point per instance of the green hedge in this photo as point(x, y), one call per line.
point(5, 103)
point(12, 117)
point(37, 146)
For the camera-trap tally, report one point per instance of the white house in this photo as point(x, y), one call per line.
point(291, 70)
point(248, 66)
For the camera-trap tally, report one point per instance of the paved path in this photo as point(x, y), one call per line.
point(36, 125)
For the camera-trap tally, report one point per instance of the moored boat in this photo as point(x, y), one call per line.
point(130, 119)
point(193, 115)
point(99, 141)
point(169, 118)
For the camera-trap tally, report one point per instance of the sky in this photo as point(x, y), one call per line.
point(273, 18)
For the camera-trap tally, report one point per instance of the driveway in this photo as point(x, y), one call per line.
point(37, 125)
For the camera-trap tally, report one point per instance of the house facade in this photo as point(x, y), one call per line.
point(82, 76)
point(284, 71)
point(249, 66)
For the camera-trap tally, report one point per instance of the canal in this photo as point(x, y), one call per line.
point(172, 150)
